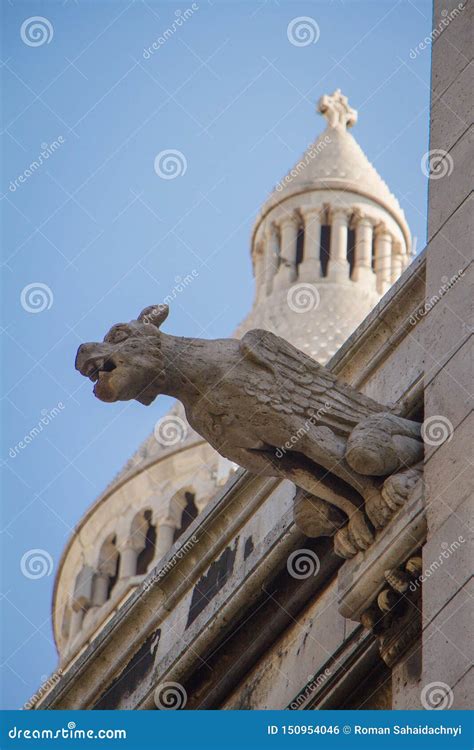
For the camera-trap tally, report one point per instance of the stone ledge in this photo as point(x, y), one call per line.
point(361, 579)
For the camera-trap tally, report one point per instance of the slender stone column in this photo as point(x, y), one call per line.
point(128, 560)
point(383, 258)
point(271, 255)
point(310, 267)
point(397, 267)
point(259, 271)
point(363, 270)
point(287, 270)
point(338, 265)
point(164, 538)
point(100, 588)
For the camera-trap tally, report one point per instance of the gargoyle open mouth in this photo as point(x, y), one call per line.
point(95, 367)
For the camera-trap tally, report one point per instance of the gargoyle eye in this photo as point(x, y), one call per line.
point(116, 336)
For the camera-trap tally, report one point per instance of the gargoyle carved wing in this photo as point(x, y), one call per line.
point(289, 381)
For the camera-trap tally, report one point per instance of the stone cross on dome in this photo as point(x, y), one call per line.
point(335, 108)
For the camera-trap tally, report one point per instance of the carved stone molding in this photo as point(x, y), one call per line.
point(381, 588)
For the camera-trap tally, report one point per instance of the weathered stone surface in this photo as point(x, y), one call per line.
point(450, 635)
point(453, 48)
point(452, 113)
point(448, 476)
point(447, 561)
point(452, 189)
point(450, 392)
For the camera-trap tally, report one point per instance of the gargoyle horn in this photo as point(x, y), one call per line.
point(154, 315)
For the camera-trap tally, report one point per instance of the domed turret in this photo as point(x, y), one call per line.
point(328, 242)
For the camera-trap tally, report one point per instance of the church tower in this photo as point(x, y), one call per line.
point(326, 245)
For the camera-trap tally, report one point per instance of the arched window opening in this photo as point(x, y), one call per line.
point(147, 554)
point(351, 239)
point(325, 245)
point(300, 245)
point(190, 512)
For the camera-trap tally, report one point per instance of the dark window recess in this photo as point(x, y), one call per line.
point(373, 253)
point(208, 585)
point(351, 250)
point(148, 552)
point(299, 245)
point(189, 514)
point(113, 579)
point(325, 245)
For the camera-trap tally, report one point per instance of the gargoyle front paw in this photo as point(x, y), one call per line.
point(397, 488)
point(343, 546)
point(377, 509)
point(359, 531)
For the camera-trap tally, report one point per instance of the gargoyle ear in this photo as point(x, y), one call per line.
point(154, 315)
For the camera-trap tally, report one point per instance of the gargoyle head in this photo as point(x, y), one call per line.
point(129, 363)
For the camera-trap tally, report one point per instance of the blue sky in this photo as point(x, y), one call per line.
point(107, 236)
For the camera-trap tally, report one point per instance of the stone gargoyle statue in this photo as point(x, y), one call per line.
point(267, 406)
